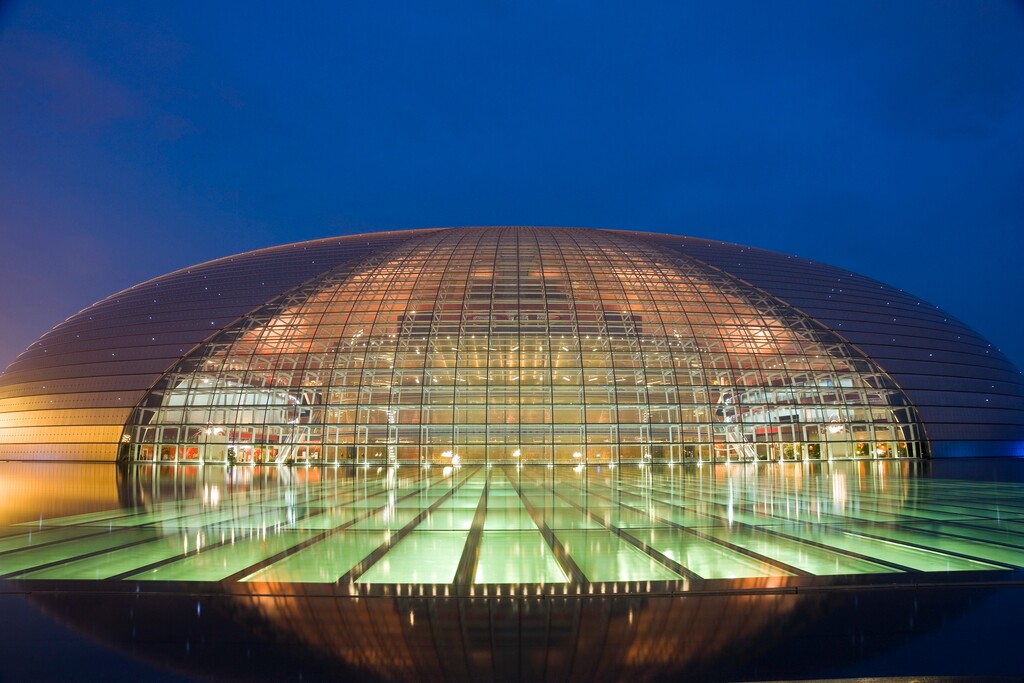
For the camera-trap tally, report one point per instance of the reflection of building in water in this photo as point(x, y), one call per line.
point(275, 573)
point(501, 345)
point(548, 531)
point(35, 491)
point(521, 639)
point(306, 636)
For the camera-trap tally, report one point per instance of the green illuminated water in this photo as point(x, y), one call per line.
point(362, 528)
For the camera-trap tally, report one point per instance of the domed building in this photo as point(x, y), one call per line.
point(510, 345)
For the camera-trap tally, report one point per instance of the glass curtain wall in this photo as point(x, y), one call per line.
point(524, 345)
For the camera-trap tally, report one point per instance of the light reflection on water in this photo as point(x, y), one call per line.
point(513, 573)
point(676, 527)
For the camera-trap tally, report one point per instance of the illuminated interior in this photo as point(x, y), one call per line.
point(524, 346)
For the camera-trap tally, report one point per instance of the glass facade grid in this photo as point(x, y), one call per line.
point(523, 346)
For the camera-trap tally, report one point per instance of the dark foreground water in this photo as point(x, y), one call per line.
point(714, 573)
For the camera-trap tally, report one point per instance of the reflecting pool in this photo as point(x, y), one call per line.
point(713, 572)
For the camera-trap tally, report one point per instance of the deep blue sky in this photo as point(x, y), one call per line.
point(886, 137)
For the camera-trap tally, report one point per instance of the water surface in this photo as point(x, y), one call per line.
point(710, 572)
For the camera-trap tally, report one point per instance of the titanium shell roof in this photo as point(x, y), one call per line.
point(704, 344)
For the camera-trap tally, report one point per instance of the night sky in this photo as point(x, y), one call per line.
point(884, 137)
